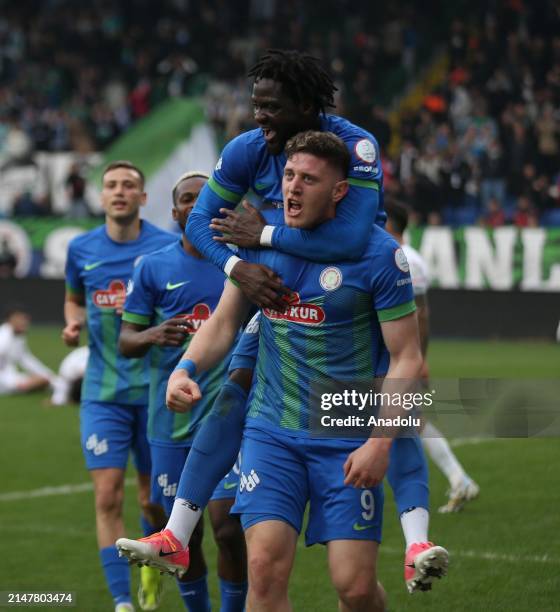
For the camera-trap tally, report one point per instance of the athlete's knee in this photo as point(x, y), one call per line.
point(358, 591)
point(228, 535)
point(268, 573)
point(354, 576)
point(108, 497)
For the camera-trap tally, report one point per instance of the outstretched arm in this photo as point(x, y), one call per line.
point(209, 346)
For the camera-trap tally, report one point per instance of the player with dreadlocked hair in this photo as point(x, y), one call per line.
point(291, 92)
point(302, 75)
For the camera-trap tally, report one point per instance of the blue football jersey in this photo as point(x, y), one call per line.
point(100, 269)
point(330, 329)
point(166, 284)
point(246, 164)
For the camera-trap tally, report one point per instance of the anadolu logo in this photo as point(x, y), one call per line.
point(298, 312)
point(110, 298)
point(199, 314)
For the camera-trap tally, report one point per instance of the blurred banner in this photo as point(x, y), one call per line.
point(502, 259)
point(37, 246)
point(467, 258)
point(173, 139)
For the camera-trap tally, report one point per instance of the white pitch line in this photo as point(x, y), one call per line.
point(469, 441)
point(490, 556)
point(468, 554)
point(485, 556)
point(472, 554)
point(84, 487)
point(67, 489)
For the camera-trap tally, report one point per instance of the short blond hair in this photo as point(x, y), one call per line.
point(184, 177)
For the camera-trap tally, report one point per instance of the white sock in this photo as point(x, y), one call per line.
point(442, 455)
point(415, 526)
point(183, 520)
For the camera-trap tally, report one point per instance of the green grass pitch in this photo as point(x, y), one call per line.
point(504, 546)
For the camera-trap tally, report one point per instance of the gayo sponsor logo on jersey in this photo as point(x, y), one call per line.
point(199, 314)
point(297, 311)
point(111, 298)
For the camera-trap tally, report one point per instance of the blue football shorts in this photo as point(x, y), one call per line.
point(109, 432)
point(281, 473)
point(167, 466)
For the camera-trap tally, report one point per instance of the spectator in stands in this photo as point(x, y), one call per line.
point(429, 181)
point(541, 193)
point(76, 190)
point(494, 112)
point(519, 151)
point(548, 130)
point(493, 173)
point(8, 261)
point(380, 127)
point(28, 205)
point(524, 215)
point(495, 215)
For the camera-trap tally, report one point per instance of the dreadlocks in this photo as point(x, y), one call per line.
point(302, 76)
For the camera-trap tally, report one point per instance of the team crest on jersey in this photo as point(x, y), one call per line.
point(365, 150)
point(110, 298)
point(331, 278)
point(199, 314)
point(401, 260)
point(297, 311)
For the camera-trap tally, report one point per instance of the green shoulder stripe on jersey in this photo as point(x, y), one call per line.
point(225, 194)
point(362, 183)
point(130, 317)
point(396, 312)
point(74, 291)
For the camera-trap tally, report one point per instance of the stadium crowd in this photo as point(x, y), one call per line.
point(483, 147)
point(486, 144)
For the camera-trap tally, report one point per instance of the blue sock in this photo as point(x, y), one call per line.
point(215, 446)
point(117, 573)
point(233, 596)
point(195, 595)
point(147, 529)
point(408, 474)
